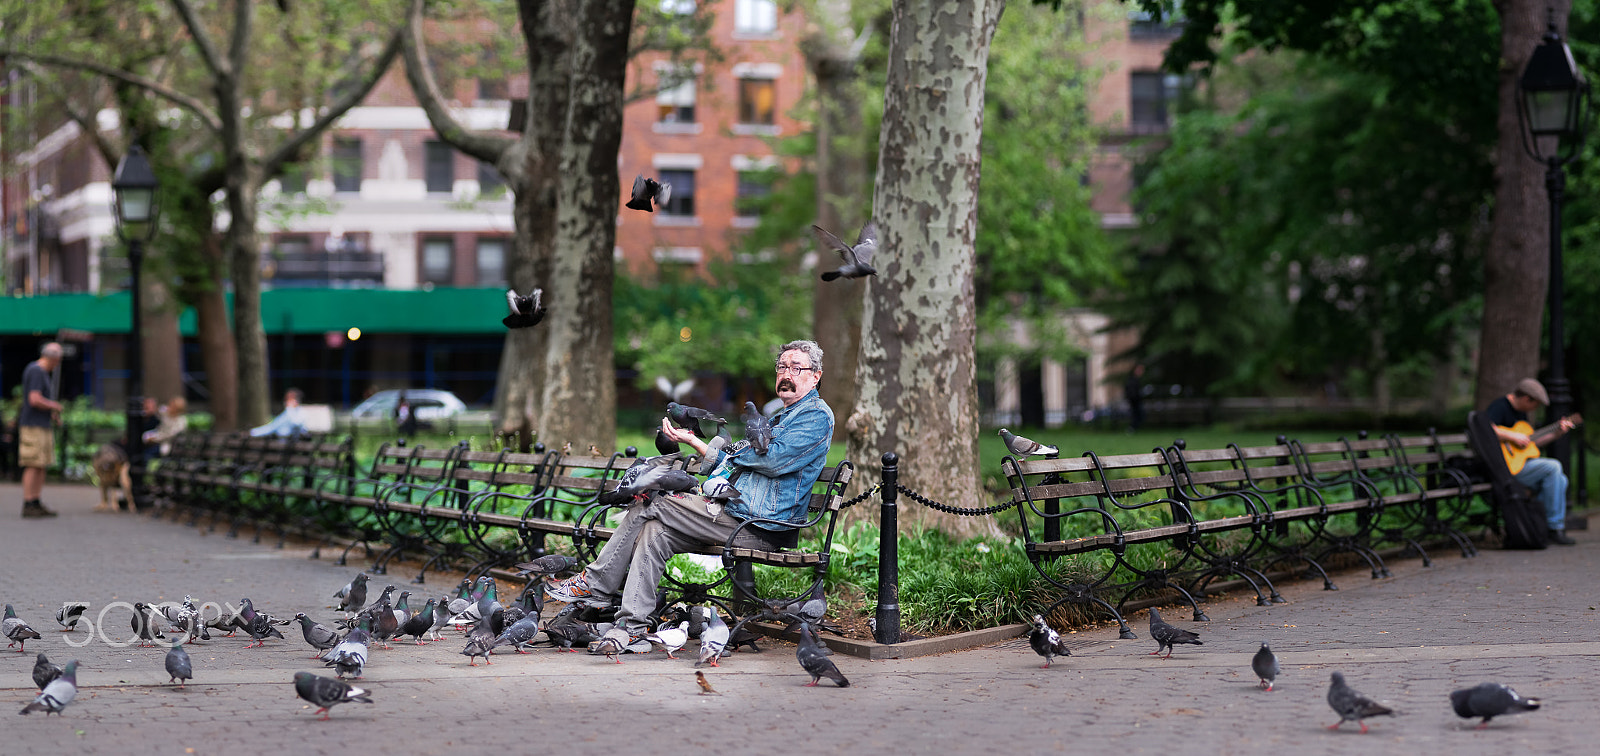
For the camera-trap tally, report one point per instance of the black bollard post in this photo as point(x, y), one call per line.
point(888, 614)
point(1052, 506)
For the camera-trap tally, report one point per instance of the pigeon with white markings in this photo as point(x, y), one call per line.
point(419, 625)
point(325, 693)
point(178, 664)
point(1046, 641)
point(318, 635)
point(353, 595)
point(1168, 636)
point(1023, 446)
point(1265, 665)
point(349, 657)
point(144, 624)
point(757, 428)
point(527, 311)
point(857, 259)
point(57, 694)
point(17, 630)
point(1489, 700)
point(257, 625)
point(713, 639)
point(1351, 705)
point(44, 671)
point(814, 659)
point(548, 565)
point(670, 638)
point(69, 614)
point(646, 189)
point(441, 617)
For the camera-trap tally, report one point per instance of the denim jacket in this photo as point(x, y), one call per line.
point(777, 485)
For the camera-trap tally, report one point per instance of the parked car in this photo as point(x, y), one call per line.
point(426, 404)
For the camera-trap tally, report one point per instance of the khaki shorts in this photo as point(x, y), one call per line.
point(36, 446)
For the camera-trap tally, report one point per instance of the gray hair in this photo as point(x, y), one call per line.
point(51, 350)
point(809, 347)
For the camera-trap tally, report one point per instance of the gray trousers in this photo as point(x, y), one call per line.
point(635, 557)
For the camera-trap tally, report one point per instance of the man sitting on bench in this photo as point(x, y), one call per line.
point(775, 485)
point(1542, 475)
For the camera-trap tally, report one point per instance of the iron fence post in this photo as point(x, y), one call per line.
point(888, 613)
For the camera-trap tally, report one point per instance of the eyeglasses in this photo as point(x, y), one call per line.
point(785, 368)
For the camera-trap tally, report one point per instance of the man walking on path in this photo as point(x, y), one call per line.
point(36, 428)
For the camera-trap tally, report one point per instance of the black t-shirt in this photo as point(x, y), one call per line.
point(34, 378)
point(1500, 412)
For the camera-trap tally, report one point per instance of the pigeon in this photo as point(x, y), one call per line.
point(1046, 641)
point(1023, 446)
point(178, 665)
point(69, 614)
point(858, 259)
point(645, 189)
point(525, 311)
point(463, 599)
point(1265, 665)
point(57, 694)
point(648, 478)
point(144, 625)
point(666, 445)
point(572, 633)
point(1169, 636)
point(685, 416)
point(743, 637)
point(419, 624)
point(318, 635)
point(519, 633)
point(718, 442)
point(353, 595)
point(349, 658)
point(1487, 700)
point(699, 617)
point(1352, 705)
point(441, 617)
point(488, 607)
point(385, 625)
point(44, 671)
point(258, 626)
point(480, 642)
point(757, 428)
point(814, 659)
point(705, 685)
point(182, 618)
point(713, 639)
point(670, 638)
point(325, 692)
point(402, 608)
point(17, 630)
point(370, 614)
point(548, 565)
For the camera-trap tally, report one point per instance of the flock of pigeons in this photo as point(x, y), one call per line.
point(475, 611)
point(1486, 700)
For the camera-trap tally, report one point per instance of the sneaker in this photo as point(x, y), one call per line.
point(570, 591)
point(1560, 537)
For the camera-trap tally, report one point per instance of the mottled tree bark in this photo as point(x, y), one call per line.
point(1517, 263)
point(163, 346)
point(918, 395)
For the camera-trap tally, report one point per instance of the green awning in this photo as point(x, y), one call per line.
point(300, 311)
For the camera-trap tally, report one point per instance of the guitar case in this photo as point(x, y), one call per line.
point(1521, 514)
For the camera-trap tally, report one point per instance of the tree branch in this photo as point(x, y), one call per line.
point(156, 88)
point(489, 148)
point(202, 41)
point(239, 45)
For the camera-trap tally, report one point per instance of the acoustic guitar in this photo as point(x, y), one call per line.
point(1516, 458)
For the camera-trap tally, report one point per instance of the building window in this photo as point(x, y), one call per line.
point(347, 164)
point(440, 172)
point(1143, 24)
point(492, 262)
point(753, 187)
point(677, 7)
point(438, 261)
point(675, 101)
point(682, 200)
point(293, 179)
point(490, 182)
point(755, 17)
point(757, 101)
point(1152, 95)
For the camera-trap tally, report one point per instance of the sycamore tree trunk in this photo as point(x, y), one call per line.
point(249, 338)
point(163, 347)
point(579, 400)
point(1517, 263)
point(918, 395)
point(833, 57)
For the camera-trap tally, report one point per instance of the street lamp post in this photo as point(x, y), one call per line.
point(1553, 106)
point(135, 208)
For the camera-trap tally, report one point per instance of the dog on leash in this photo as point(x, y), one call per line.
point(111, 471)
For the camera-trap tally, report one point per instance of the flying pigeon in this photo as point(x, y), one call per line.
point(757, 428)
point(858, 259)
point(257, 625)
point(318, 635)
point(1023, 446)
point(177, 663)
point(525, 311)
point(349, 658)
point(548, 565)
point(814, 659)
point(1265, 665)
point(1046, 641)
point(353, 595)
point(671, 638)
point(713, 639)
point(1169, 636)
point(44, 671)
point(17, 631)
point(1487, 700)
point(684, 416)
point(1352, 705)
point(645, 189)
point(419, 625)
point(69, 614)
point(56, 695)
point(324, 692)
point(705, 685)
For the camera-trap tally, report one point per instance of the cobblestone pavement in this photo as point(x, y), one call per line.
point(1524, 618)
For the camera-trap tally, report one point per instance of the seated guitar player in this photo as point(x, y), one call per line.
point(1541, 475)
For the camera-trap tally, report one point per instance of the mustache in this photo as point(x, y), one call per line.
point(785, 384)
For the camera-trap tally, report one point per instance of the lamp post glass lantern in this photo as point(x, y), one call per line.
point(135, 208)
point(1554, 109)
